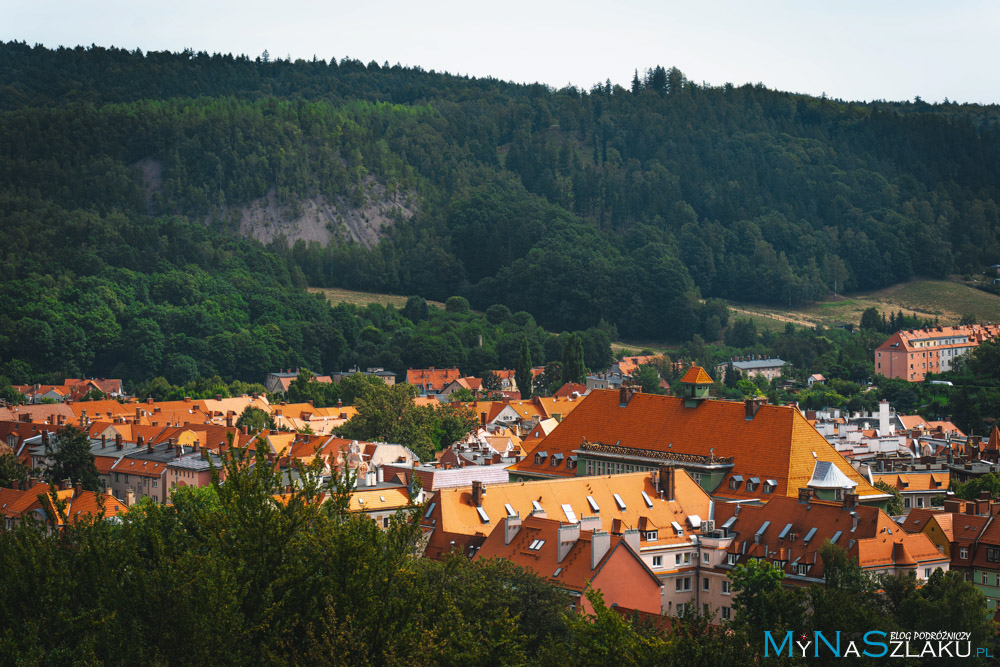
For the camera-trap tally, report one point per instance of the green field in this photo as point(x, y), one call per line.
point(336, 295)
point(927, 299)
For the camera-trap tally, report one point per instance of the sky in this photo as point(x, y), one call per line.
point(847, 49)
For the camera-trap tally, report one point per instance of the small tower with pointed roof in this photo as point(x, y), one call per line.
point(696, 385)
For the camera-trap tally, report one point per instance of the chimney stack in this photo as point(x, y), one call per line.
point(805, 495)
point(66, 484)
point(478, 491)
point(850, 501)
point(600, 543)
point(77, 489)
point(666, 480)
point(511, 526)
point(104, 441)
point(568, 534)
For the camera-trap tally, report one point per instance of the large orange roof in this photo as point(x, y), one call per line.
point(777, 443)
point(455, 513)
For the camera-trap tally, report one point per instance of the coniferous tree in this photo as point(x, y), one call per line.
point(522, 370)
point(572, 362)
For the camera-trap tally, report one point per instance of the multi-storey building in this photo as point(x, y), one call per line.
point(911, 354)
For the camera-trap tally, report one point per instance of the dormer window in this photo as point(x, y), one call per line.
point(652, 535)
point(735, 481)
point(753, 483)
point(802, 569)
point(770, 486)
point(731, 559)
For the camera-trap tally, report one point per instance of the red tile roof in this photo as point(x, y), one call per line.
point(777, 443)
point(434, 379)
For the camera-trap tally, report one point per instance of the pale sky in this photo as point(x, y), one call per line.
point(849, 49)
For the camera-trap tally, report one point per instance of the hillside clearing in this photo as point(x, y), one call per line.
point(945, 300)
point(336, 295)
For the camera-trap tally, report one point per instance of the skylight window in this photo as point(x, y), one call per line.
point(536, 506)
point(557, 572)
point(810, 534)
point(568, 511)
point(784, 531)
point(619, 501)
point(483, 516)
point(836, 536)
point(510, 510)
point(763, 527)
point(536, 545)
point(646, 499)
point(593, 504)
point(677, 527)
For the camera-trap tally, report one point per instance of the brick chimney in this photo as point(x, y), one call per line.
point(953, 506)
point(104, 441)
point(478, 491)
point(77, 489)
point(850, 501)
point(666, 481)
point(65, 484)
point(805, 495)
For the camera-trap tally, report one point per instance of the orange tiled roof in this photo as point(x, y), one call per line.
point(697, 375)
point(455, 514)
point(574, 571)
point(436, 378)
point(777, 443)
point(937, 480)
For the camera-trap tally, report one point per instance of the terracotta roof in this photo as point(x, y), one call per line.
point(916, 481)
point(454, 512)
point(777, 443)
point(570, 387)
point(14, 503)
point(697, 375)
point(573, 572)
point(785, 524)
point(374, 500)
point(437, 378)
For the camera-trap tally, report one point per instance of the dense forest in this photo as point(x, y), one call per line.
point(613, 208)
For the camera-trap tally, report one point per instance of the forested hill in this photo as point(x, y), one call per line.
point(577, 206)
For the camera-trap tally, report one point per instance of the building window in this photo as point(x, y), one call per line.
point(657, 561)
point(992, 553)
point(751, 485)
point(731, 559)
point(116, 477)
point(682, 584)
point(682, 559)
point(927, 573)
point(704, 584)
point(963, 553)
point(704, 558)
point(385, 522)
point(803, 570)
point(734, 483)
point(726, 613)
point(906, 502)
point(983, 578)
point(726, 587)
point(920, 502)
point(651, 535)
point(154, 483)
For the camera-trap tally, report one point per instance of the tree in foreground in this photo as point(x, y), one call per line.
point(255, 419)
point(522, 370)
point(69, 456)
